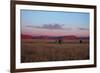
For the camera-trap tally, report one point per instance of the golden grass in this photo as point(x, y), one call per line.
point(48, 50)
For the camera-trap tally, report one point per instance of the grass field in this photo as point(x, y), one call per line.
point(36, 50)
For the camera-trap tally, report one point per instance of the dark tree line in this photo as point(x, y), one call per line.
point(60, 41)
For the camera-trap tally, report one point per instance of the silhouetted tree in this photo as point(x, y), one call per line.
point(80, 41)
point(59, 41)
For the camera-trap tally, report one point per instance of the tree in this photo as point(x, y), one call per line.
point(80, 41)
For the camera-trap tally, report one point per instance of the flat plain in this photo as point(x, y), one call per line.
point(40, 50)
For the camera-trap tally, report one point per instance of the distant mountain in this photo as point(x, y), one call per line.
point(83, 37)
point(23, 36)
point(70, 37)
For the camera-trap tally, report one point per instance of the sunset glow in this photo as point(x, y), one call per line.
point(51, 23)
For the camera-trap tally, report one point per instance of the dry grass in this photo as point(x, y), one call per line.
point(48, 50)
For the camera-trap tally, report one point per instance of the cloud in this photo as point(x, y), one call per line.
point(52, 26)
point(83, 29)
point(49, 26)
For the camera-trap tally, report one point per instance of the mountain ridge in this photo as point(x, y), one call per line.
point(24, 36)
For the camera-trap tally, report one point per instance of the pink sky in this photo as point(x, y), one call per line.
point(54, 32)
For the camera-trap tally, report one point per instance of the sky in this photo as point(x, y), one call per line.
point(54, 23)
